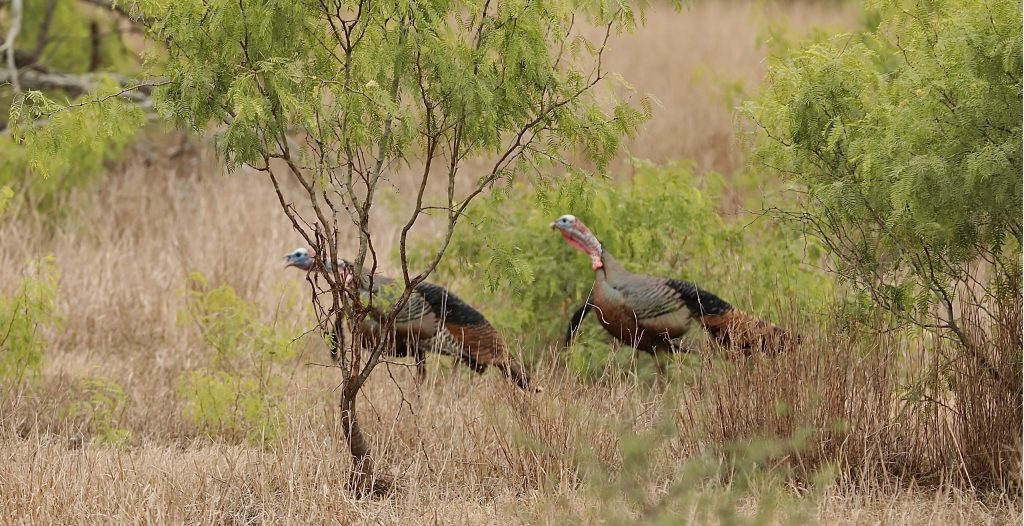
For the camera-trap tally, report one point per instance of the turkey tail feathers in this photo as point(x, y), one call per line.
point(750, 333)
point(481, 345)
point(515, 371)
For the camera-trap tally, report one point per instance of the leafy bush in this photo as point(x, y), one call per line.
point(235, 405)
point(56, 139)
point(71, 22)
point(24, 317)
point(907, 137)
point(659, 221)
point(103, 406)
point(241, 393)
point(45, 161)
point(735, 489)
point(6, 193)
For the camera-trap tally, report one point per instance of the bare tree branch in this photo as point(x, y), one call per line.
point(8, 46)
point(77, 84)
point(118, 8)
point(44, 30)
point(137, 93)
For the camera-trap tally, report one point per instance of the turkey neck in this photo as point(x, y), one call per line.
point(611, 272)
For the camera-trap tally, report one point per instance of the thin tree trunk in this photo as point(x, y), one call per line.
point(364, 481)
point(95, 55)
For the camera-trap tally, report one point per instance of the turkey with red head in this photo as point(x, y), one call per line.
point(433, 320)
point(649, 312)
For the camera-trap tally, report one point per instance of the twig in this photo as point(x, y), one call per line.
point(117, 8)
point(12, 35)
point(324, 365)
point(132, 93)
point(77, 84)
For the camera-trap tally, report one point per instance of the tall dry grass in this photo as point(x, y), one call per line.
point(465, 449)
point(880, 410)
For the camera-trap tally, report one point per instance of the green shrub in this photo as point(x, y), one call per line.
point(68, 48)
point(905, 142)
point(235, 405)
point(24, 317)
point(103, 406)
point(240, 393)
point(660, 221)
point(737, 488)
point(907, 139)
point(56, 140)
point(6, 193)
point(43, 162)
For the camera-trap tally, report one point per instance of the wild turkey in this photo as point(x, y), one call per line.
point(648, 312)
point(433, 320)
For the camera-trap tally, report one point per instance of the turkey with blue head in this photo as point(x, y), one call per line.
point(433, 320)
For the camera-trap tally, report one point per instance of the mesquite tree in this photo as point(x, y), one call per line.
point(336, 95)
point(906, 141)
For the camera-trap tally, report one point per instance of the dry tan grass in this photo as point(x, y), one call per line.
point(459, 446)
point(686, 61)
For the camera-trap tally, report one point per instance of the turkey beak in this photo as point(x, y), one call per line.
point(554, 226)
point(289, 262)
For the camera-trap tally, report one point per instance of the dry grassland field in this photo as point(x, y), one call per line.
point(463, 448)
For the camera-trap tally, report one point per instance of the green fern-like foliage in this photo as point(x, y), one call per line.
point(395, 74)
point(6, 194)
point(26, 316)
point(660, 221)
point(102, 406)
point(56, 140)
point(240, 393)
point(907, 138)
point(53, 148)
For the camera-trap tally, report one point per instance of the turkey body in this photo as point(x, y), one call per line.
point(646, 312)
point(650, 313)
point(436, 320)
